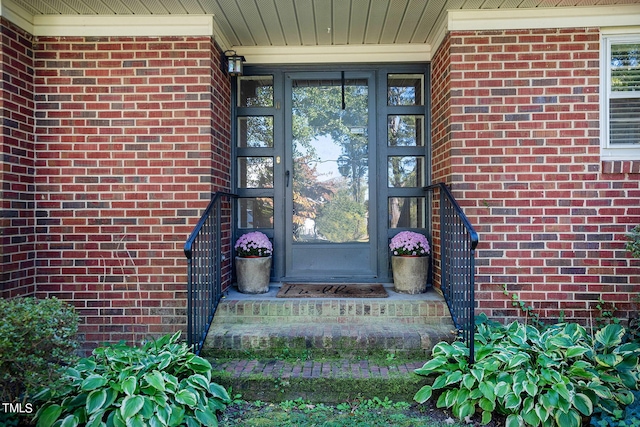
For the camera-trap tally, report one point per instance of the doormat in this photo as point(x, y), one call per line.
point(332, 290)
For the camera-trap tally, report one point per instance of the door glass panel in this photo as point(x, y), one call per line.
point(255, 91)
point(256, 131)
point(406, 212)
point(405, 89)
point(330, 161)
point(406, 171)
point(255, 172)
point(255, 212)
point(405, 131)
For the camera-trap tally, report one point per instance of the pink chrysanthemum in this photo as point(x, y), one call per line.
point(253, 244)
point(409, 243)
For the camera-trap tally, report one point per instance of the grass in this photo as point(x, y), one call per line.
point(299, 413)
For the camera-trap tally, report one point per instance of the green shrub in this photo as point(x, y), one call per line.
point(36, 338)
point(553, 377)
point(633, 242)
point(159, 384)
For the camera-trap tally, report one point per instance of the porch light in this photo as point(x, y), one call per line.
point(234, 62)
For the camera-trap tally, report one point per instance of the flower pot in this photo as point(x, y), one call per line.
point(410, 274)
point(252, 274)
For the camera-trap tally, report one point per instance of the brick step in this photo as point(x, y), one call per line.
point(427, 308)
point(267, 328)
point(324, 339)
point(329, 381)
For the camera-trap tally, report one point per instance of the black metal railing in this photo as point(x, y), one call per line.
point(458, 241)
point(205, 256)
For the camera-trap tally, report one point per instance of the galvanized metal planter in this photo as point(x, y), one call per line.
point(252, 274)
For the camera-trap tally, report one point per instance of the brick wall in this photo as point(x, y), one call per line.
point(524, 159)
point(17, 238)
point(440, 142)
point(132, 135)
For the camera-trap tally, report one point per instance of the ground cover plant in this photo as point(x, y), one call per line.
point(373, 412)
point(37, 337)
point(159, 384)
point(556, 376)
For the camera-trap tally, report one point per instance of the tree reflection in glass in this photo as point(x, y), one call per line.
point(330, 155)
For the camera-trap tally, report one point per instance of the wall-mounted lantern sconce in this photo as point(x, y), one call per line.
point(234, 62)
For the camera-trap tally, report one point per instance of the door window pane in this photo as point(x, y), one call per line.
point(255, 212)
point(407, 212)
point(406, 171)
point(255, 91)
point(255, 172)
point(330, 161)
point(405, 131)
point(255, 131)
point(405, 89)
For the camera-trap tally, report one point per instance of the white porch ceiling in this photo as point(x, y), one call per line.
point(305, 23)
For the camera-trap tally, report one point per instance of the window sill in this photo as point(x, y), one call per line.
point(620, 166)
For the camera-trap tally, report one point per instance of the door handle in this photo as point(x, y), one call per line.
point(287, 174)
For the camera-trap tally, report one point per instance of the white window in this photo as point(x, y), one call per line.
point(620, 89)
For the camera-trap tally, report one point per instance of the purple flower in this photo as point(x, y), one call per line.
point(409, 243)
point(253, 244)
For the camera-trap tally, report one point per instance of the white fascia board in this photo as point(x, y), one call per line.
point(17, 15)
point(123, 25)
point(335, 54)
point(439, 31)
point(220, 38)
point(538, 18)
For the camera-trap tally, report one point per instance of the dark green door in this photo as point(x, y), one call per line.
point(330, 197)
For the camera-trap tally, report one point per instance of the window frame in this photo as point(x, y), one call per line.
point(610, 151)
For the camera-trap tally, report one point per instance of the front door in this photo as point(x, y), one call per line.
point(330, 201)
point(330, 165)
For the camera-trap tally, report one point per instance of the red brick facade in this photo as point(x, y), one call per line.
point(17, 173)
point(132, 135)
point(112, 145)
point(516, 134)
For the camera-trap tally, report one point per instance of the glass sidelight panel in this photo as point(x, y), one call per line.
point(405, 131)
point(255, 212)
point(255, 91)
point(407, 212)
point(405, 89)
point(406, 171)
point(255, 132)
point(330, 153)
point(255, 172)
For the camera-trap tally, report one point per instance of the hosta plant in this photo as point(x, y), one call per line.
point(554, 377)
point(159, 384)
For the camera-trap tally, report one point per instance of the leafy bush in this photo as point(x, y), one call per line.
point(36, 337)
point(633, 242)
point(551, 377)
point(159, 384)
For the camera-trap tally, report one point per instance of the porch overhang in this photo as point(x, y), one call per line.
point(312, 33)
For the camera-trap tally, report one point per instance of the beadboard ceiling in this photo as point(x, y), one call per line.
point(273, 23)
